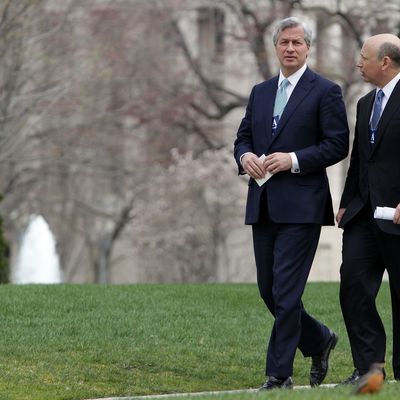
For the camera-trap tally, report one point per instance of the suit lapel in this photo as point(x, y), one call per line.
point(303, 87)
point(268, 105)
point(363, 123)
point(391, 107)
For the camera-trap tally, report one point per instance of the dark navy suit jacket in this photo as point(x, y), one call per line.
point(314, 126)
point(374, 172)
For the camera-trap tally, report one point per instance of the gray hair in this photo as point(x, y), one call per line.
point(292, 22)
point(390, 50)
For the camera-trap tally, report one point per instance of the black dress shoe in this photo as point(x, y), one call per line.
point(355, 377)
point(277, 383)
point(352, 379)
point(320, 362)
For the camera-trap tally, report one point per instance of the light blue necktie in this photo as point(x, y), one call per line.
point(376, 114)
point(280, 103)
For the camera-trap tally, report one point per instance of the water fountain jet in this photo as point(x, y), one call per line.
point(37, 261)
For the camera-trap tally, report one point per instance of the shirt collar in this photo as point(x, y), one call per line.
point(294, 78)
point(388, 88)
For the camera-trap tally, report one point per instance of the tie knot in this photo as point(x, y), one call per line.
point(379, 95)
point(283, 84)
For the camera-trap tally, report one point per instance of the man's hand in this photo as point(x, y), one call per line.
point(253, 166)
point(396, 218)
point(277, 162)
point(339, 215)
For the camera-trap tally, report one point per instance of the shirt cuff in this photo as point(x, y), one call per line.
point(295, 164)
point(241, 157)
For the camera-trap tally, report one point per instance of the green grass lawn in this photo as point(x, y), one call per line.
point(88, 341)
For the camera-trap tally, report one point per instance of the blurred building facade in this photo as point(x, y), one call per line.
point(334, 54)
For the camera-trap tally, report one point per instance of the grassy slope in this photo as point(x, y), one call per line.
point(87, 341)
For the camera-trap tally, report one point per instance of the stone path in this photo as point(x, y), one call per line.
point(198, 394)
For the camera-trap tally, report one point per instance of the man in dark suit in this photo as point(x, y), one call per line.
point(287, 211)
point(373, 180)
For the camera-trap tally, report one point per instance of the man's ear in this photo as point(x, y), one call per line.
point(386, 62)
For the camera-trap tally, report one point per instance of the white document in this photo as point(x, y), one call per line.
point(268, 175)
point(384, 213)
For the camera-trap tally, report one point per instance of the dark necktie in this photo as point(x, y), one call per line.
point(376, 114)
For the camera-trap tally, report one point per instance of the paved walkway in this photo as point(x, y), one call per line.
point(197, 394)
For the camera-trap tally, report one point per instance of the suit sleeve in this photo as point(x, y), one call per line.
point(244, 136)
point(333, 144)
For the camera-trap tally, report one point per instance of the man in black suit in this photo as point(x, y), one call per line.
point(370, 245)
point(299, 139)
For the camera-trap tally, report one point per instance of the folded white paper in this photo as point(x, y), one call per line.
point(384, 213)
point(268, 175)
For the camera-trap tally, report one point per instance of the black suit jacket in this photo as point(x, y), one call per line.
point(374, 172)
point(314, 126)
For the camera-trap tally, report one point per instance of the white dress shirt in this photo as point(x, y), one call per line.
point(293, 80)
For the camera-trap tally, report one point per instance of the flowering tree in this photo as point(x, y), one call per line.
point(196, 202)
